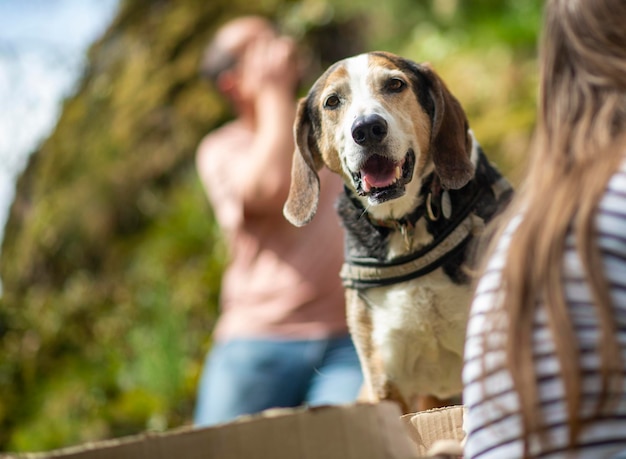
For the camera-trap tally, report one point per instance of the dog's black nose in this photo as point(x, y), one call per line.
point(369, 129)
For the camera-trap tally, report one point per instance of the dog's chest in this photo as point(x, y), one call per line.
point(418, 325)
point(419, 330)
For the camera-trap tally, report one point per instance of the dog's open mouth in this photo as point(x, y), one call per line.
point(382, 179)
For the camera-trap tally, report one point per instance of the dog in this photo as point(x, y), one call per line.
point(418, 190)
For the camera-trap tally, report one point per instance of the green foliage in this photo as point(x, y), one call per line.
point(117, 352)
point(112, 260)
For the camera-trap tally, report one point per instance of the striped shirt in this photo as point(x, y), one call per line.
point(492, 425)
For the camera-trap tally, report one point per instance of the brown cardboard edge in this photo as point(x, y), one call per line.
point(354, 431)
point(426, 428)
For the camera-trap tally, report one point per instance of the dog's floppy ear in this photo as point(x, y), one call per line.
point(304, 191)
point(450, 142)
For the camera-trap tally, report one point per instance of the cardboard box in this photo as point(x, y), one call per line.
point(359, 431)
point(426, 428)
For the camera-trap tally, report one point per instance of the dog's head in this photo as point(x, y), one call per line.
point(381, 122)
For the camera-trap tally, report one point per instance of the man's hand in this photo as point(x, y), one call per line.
point(270, 64)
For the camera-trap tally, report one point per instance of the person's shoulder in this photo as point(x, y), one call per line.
point(618, 181)
point(616, 188)
point(612, 207)
point(219, 138)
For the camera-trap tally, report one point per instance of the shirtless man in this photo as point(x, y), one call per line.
point(281, 339)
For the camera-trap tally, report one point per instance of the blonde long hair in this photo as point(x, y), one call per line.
point(579, 143)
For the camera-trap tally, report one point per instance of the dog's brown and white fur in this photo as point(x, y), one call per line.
point(402, 144)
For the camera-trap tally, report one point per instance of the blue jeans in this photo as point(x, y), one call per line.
point(245, 376)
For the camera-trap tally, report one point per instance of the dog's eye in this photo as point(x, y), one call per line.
point(395, 85)
point(332, 101)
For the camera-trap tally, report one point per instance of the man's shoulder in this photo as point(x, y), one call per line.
point(229, 136)
point(220, 150)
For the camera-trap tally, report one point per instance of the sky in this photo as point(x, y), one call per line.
point(43, 46)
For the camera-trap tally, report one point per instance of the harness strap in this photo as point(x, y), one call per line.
point(362, 273)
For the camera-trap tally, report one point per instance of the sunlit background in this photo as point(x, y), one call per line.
point(43, 46)
point(111, 259)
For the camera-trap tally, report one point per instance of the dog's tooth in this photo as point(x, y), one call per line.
point(398, 172)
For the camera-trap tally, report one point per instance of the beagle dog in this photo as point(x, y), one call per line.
point(418, 190)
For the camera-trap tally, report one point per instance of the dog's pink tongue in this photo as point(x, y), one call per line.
point(378, 180)
point(378, 172)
